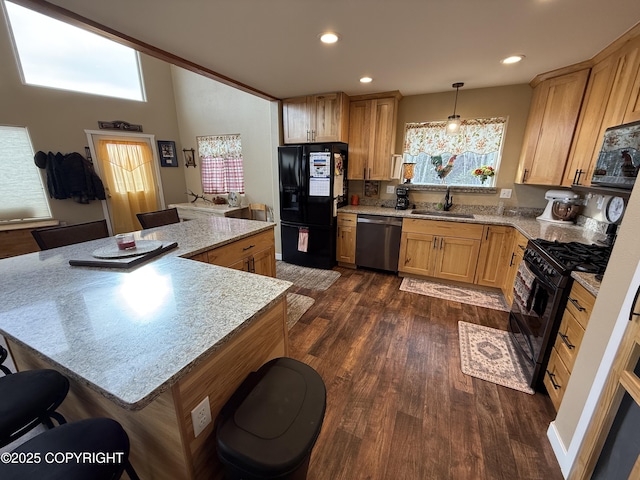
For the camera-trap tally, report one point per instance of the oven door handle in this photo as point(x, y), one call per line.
point(539, 276)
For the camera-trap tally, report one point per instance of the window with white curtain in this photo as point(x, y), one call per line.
point(54, 54)
point(22, 193)
point(470, 158)
point(221, 163)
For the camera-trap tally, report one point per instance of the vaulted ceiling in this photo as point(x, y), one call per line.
point(415, 46)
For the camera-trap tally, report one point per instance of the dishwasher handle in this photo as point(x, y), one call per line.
point(380, 220)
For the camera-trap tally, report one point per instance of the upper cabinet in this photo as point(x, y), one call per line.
point(552, 121)
point(612, 98)
point(316, 118)
point(372, 135)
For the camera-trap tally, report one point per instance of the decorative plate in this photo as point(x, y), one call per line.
point(142, 247)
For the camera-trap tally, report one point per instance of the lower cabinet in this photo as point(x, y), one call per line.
point(256, 254)
point(567, 344)
point(346, 239)
point(447, 250)
point(518, 246)
point(495, 250)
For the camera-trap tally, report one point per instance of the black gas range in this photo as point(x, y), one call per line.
point(541, 289)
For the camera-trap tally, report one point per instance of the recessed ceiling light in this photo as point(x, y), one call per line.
point(366, 80)
point(512, 59)
point(329, 37)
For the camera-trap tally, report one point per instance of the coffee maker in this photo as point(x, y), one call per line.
point(402, 198)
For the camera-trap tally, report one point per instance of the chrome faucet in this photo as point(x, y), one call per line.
point(448, 201)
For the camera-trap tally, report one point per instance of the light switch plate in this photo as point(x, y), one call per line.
point(505, 193)
point(201, 416)
point(391, 189)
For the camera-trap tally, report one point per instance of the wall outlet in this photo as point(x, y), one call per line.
point(391, 189)
point(505, 193)
point(201, 416)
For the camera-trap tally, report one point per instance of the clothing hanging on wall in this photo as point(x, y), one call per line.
point(70, 176)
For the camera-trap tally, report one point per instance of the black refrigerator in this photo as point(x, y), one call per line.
point(313, 185)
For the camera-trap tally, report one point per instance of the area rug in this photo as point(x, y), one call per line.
point(297, 305)
point(312, 278)
point(488, 354)
point(471, 296)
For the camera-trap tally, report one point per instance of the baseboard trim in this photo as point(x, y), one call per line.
point(559, 449)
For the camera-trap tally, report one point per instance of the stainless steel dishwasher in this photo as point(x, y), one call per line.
point(378, 242)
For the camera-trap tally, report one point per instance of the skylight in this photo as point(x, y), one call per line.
point(54, 54)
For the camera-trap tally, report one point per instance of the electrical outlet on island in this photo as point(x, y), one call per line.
point(201, 416)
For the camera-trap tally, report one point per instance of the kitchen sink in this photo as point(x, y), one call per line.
point(432, 213)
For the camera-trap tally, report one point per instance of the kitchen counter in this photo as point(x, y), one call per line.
point(193, 210)
point(130, 335)
point(588, 281)
point(529, 227)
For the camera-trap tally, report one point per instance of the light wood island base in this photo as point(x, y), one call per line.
point(163, 445)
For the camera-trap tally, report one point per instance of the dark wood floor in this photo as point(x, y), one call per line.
point(398, 406)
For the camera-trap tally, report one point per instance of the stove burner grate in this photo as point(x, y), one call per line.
point(574, 256)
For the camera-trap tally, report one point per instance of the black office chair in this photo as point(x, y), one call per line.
point(103, 437)
point(29, 399)
point(52, 237)
point(158, 218)
point(3, 357)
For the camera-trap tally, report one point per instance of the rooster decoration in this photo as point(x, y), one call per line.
point(442, 170)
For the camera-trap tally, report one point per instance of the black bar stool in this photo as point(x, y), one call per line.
point(28, 399)
point(95, 448)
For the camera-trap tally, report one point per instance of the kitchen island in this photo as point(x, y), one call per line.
point(145, 346)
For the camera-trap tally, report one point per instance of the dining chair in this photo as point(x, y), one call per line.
point(99, 438)
point(30, 398)
point(258, 211)
point(60, 236)
point(158, 218)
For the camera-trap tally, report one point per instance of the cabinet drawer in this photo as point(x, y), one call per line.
point(580, 304)
point(347, 219)
point(229, 254)
point(569, 339)
point(556, 378)
point(445, 228)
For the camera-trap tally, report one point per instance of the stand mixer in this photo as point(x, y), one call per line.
point(562, 207)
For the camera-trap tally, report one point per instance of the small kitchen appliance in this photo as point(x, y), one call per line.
point(562, 207)
point(402, 198)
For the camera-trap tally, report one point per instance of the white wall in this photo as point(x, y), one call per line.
point(207, 107)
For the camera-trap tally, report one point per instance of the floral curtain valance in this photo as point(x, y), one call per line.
point(221, 146)
point(480, 136)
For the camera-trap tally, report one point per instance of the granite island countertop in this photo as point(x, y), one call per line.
point(131, 334)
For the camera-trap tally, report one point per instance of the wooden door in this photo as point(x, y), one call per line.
point(553, 123)
point(327, 117)
point(457, 258)
point(588, 138)
point(359, 139)
point(621, 393)
point(632, 112)
point(493, 260)
point(296, 119)
point(346, 245)
point(383, 122)
point(417, 253)
point(264, 262)
point(517, 253)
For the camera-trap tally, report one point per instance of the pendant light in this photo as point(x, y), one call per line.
point(453, 122)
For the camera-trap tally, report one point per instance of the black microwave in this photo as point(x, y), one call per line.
point(619, 159)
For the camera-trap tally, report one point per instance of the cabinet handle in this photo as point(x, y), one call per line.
point(633, 305)
point(248, 248)
point(577, 305)
point(524, 174)
point(486, 236)
point(553, 382)
point(435, 242)
point(252, 265)
point(521, 247)
point(246, 262)
point(308, 136)
point(565, 339)
point(364, 173)
point(369, 173)
point(407, 260)
point(513, 254)
point(441, 239)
